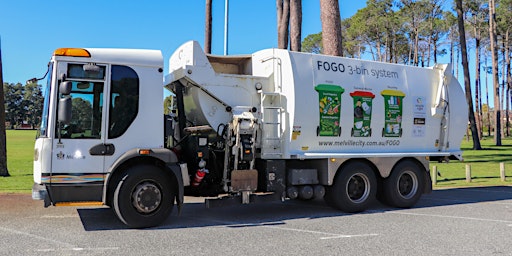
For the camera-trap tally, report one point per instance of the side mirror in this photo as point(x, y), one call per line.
point(64, 115)
point(65, 87)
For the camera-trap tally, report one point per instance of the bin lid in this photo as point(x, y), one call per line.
point(329, 88)
point(362, 94)
point(392, 93)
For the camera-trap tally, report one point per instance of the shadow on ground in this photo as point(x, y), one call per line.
point(276, 213)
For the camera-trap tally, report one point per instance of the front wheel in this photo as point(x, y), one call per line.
point(144, 197)
point(354, 188)
point(403, 188)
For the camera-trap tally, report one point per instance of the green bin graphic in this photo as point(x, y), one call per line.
point(393, 100)
point(362, 113)
point(329, 104)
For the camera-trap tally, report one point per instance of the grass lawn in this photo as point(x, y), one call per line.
point(20, 154)
point(485, 164)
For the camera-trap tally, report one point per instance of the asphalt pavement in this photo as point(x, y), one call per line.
point(462, 221)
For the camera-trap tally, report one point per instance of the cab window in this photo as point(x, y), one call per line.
point(86, 111)
point(124, 100)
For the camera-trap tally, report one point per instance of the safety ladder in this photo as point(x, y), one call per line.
point(272, 112)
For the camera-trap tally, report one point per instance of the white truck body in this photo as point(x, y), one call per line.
point(289, 78)
point(273, 125)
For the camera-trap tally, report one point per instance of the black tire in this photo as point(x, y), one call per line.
point(404, 187)
point(354, 188)
point(144, 197)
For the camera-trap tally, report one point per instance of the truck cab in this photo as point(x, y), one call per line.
point(102, 112)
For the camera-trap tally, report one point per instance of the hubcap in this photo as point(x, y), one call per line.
point(407, 185)
point(146, 197)
point(358, 188)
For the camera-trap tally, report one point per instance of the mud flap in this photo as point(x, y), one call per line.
point(176, 170)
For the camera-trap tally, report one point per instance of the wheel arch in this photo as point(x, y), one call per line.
point(165, 160)
point(423, 166)
point(366, 161)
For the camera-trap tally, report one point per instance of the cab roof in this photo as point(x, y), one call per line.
point(136, 57)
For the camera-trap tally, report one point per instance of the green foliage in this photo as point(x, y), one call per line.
point(168, 104)
point(23, 103)
point(313, 43)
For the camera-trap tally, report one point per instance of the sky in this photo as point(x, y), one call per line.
point(30, 30)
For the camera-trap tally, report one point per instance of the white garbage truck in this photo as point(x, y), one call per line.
point(273, 125)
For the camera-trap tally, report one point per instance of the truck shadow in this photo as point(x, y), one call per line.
point(195, 215)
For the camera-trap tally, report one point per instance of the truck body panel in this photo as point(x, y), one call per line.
point(411, 125)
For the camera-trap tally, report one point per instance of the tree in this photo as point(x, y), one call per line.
point(503, 17)
point(283, 21)
point(295, 25)
point(208, 28)
point(313, 43)
point(13, 95)
point(477, 17)
point(467, 83)
point(414, 15)
point(3, 140)
point(331, 27)
point(496, 83)
point(168, 105)
point(33, 103)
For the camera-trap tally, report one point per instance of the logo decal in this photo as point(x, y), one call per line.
point(60, 156)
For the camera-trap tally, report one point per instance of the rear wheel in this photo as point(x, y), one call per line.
point(354, 188)
point(403, 188)
point(144, 197)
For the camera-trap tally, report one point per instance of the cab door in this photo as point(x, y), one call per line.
point(79, 148)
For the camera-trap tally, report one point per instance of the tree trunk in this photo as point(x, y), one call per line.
point(509, 78)
point(3, 141)
point(504, 131)
point(496, 83)
point(295, 25)
point(331, 27)
point(467, 83)
point(477, 84)
point(208, 28)
point(283, 21)
point(487, 101)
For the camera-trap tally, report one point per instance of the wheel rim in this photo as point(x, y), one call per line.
point(358, 188)
point(407, 185)
point(146, 197)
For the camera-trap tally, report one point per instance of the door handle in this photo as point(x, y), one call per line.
point(104, 149)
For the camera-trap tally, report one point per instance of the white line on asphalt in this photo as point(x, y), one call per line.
point(36, 237)
point(450, 217)
point(79, 249)
point(273, 226)
point(348, 236)
point(330, 235)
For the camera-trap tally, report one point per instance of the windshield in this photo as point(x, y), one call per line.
point(43, 129)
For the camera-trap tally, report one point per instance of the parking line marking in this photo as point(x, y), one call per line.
point(451, 217)
point(37, 237)
point(273, 226)
point(330, 235)
point(348, 236)
point(79, 249)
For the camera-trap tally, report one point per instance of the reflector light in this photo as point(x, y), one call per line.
point(144, 152)
point(72, 52)
point(92, 203)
